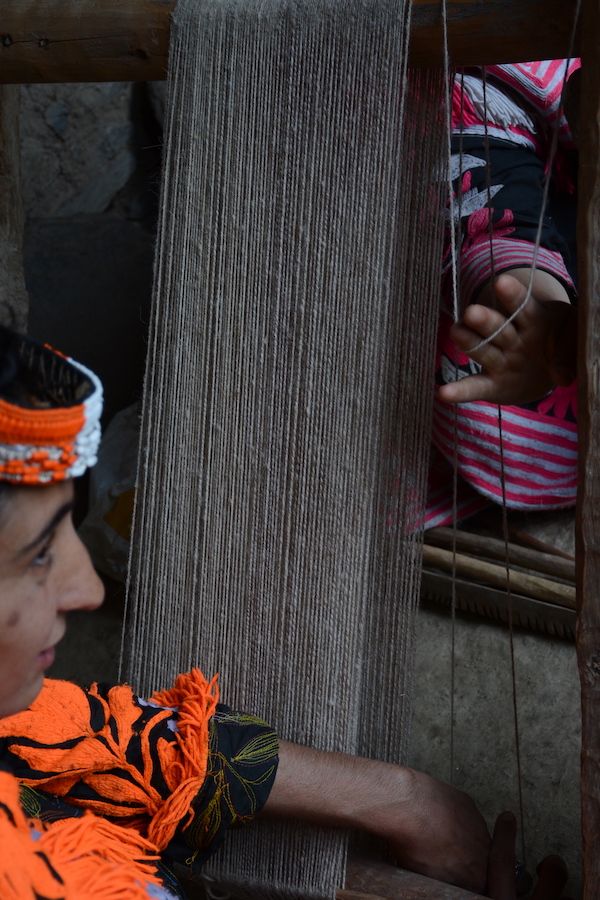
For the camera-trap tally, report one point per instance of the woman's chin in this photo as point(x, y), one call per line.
point(20, 700)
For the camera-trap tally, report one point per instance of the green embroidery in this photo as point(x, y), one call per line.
point(233, 793)
point(30, 802)
point(258, 750)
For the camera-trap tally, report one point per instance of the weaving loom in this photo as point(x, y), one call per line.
point(293, 344)
point(304, 320)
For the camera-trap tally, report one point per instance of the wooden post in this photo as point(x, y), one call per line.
point(14, 301)
point(127, 40)
point(588, 510)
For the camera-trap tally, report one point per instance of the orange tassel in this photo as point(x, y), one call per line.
point(74, 859)
point(61, 714)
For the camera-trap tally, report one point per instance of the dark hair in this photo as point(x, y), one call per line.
point(34, 376)
point(16, 382)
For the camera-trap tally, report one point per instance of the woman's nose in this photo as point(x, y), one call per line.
point(83, 588)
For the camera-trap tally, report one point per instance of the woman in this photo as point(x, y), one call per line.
point(101, 790)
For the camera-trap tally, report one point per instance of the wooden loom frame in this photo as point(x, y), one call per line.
point(127, 40)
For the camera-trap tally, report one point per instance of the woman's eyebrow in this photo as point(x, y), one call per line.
point(58, 516)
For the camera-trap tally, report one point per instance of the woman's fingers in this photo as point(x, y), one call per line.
point(501, 861)
point(552, 878)
point(552, 871)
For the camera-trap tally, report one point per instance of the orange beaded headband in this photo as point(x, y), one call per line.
point(57, 436)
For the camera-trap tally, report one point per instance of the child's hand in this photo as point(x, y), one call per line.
point(535, 352)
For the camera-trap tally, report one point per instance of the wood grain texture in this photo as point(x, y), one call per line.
point(112, 40)
point(84, 40)
point(483, 546)
point(588, 510)
point(492, 31)
point(521, 582)
point(366, 880)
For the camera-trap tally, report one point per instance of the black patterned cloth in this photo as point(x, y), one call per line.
point(111, 735)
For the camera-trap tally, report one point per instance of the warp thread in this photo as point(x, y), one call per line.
point(286, 417)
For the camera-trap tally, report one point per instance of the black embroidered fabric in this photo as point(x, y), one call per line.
point(521, 174)
point(241, 769)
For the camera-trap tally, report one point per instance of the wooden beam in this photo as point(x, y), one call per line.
point(588, 507)
point(127, 40)
point(368, 880)
point(84, 40)
point(494, 31)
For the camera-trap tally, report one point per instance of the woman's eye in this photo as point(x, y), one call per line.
point(44, 557)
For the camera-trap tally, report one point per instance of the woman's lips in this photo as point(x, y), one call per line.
point(46, 657)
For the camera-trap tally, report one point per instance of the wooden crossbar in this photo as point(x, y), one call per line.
point(113, 40)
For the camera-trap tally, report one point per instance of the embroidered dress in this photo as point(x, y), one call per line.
point(498, 214)
point(101, 791)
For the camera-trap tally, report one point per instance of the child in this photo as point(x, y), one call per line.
point(100, 790)
point(530, 366)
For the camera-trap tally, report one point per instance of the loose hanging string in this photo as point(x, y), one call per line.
point(448, 101)
point(488, 173)
point(504, 507)
point(454, 267)
point(453, 225)
point(511, 639)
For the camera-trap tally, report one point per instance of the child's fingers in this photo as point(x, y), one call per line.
point(510, 292)
point(544, 313)
point(483, 322)
point(473, 387)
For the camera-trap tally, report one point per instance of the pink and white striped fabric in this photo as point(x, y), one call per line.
point(526, 113)
point(536, 445)
point(478, 259)
point(540, 451)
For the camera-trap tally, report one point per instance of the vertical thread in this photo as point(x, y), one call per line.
point(277, 534)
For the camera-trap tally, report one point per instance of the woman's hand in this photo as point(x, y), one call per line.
point(433, 829)
point(436, 830)
point(535, 352)
point(552, 872)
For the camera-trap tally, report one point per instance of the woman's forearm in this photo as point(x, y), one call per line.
point(431, 828)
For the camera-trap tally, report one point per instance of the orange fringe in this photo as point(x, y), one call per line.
point(74, 859)
point(61, 713)
point(184, 761)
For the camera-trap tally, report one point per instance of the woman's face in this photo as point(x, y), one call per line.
point(45, 571)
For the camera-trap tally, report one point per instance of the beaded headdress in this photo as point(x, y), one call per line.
point(52, 431)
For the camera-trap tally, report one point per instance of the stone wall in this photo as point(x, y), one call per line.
point(90, 169)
